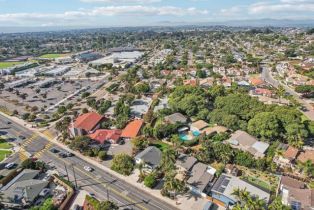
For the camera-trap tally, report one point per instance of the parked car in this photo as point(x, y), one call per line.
point(69, 154)
point(47, 177)
point(10, 165)
point(22, 137)
point(9, 123)
point(62, 155)
point(92, 195)
point(54, 150)
point(87, 168)
point(44, 192)
point(77, 207)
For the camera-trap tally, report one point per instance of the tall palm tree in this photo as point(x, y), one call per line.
point(280, 92)
point(168, 159)
point(140, 168)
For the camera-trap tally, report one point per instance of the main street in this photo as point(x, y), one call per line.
point(97, 181)
point(266, 75)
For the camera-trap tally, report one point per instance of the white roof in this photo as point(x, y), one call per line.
point(260, 146)
point(227, 184)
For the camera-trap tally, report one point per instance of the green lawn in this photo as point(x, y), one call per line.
point(258, 182)
point(161, 145)
point(4, 64)
point(52, 56)
point(4, 144)
point(3, 154)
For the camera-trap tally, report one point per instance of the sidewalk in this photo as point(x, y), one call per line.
point(185, 202)
point(129, 180)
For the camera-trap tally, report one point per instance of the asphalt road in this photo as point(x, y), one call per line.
point(124, 194)
point(266, 75)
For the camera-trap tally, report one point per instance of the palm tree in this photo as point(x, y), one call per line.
point(280, 92)
point(307, 168)
point(168, 159)
point(140, 168)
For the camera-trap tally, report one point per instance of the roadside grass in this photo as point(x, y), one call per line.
point(4, 144)
point(5, 64)
point(52, 55)
point(3, 154)
point(160, 145)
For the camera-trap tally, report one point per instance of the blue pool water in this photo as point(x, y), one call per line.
point(186, 137)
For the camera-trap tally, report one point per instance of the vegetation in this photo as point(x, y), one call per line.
point(123, 164)
point(4, 64)
point(104, 205)
point(47, 205)
point(35, 165)
point(150, 180)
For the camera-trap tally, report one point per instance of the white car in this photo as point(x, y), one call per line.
point(10, 165)
point(44, 192)
point(87, 168)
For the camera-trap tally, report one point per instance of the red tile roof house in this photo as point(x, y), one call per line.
point(132, 129)
point(103, 136)
point(86, 124)
point(263, 92)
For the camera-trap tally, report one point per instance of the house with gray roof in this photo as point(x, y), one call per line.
point(200, 179)
point(245, 142)
point(150, 157)
point(225, 185)
point(184, 164)
point(23, 189)
point(176, 118)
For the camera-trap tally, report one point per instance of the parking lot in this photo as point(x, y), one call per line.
point(25, 98)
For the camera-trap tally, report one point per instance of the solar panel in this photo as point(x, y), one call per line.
point(296, 205)
point(221, 189)
point(225, 182)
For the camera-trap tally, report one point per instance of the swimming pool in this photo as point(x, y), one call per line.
point(188, 136)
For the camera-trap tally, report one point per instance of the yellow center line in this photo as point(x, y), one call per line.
point(110, 188)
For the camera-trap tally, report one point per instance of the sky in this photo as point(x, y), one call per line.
point(102, 13)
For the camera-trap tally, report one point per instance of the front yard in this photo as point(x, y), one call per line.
point(4, 154)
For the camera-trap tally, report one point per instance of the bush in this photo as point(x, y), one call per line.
point(150, 181)
point(102, 155)
point(123, 164)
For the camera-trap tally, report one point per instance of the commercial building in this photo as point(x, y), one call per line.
point(19, 83)
point(57, 71)
point(44, 83)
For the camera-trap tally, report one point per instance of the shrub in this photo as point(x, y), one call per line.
point(150, 181)
point(102, 155)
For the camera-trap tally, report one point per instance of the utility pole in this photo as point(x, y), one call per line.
point(74, 176)
point(107, 187)
point(66, 171)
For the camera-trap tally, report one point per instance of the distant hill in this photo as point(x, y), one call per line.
point(232, 23)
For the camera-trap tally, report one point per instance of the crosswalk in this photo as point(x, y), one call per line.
point(41, 152)
point(23, 154)
point(48, 134)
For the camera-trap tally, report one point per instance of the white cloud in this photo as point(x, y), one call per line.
point(121, 1)
point(84, 14)
point(285, 6)
point(231, 11)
